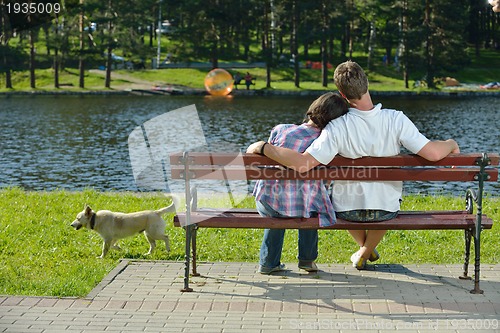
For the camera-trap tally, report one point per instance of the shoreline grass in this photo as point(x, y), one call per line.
point(482, 69)
point(41, 255)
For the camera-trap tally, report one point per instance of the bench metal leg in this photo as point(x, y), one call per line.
point(468, 237)
point(472, 197)
point(189, 227)
point(193, 243)
point(477, 259)
point(477, 263)
point(478, 199)
point(482, 176)
point(189, 231)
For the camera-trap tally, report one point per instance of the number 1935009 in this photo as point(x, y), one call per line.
point(33, 8)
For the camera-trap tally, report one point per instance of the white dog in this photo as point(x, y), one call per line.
point(114, 226)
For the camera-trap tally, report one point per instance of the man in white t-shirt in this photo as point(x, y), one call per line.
point(366, 130)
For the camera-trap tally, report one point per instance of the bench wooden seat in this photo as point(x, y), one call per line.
point(473, 168)
point(406, 220)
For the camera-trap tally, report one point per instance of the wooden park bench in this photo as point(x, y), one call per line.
point(473, 168)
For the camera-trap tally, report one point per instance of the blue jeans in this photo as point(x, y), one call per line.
point(367, 215)
point(272, 243)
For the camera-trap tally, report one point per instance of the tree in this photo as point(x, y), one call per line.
point(367, 10)
point(5, 34)
point(56, 53)
point(110, 44)
point(444, 44)
point(387, 23)
point(209, 29)
point(429, 36)
point(326, 15)
point(81, 60)
point(31, 36)
point(402, 50)
point(294, 47)
point(266, 44)
point(130, 27)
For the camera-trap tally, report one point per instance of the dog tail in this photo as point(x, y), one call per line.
point(171, 208)
point(165, 210)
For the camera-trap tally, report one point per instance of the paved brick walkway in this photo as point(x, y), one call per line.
point(144, 296)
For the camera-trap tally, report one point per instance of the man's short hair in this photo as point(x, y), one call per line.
point(350, 80)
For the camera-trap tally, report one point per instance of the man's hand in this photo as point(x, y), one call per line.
point(455, 149)
point(495, 4)
point(255, 148)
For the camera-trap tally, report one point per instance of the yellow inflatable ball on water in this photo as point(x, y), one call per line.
point(219, 82)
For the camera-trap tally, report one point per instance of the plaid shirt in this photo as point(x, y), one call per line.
point(296, 198)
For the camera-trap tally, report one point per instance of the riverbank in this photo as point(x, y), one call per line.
point(189, 81)
point(175, 91)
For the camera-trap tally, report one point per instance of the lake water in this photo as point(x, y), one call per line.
point(77, 142)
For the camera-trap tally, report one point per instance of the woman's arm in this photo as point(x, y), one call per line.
point(292, 159)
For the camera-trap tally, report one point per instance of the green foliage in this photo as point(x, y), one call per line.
point(431, 35)
point(40, 254)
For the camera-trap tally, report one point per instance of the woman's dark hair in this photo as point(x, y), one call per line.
point(326, 108)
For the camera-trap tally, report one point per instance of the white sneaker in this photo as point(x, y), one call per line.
point(358, 262)
point(374, 256)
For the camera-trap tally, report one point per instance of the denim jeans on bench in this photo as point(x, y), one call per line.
point(272, 243)
point(367, 215)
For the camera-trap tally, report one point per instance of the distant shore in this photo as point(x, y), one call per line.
point(175, 90)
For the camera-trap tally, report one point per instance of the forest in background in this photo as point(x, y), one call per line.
point(423, 39)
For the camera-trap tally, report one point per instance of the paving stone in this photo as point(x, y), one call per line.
point(143, 296)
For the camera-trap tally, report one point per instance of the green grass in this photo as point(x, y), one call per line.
point(68, 79)
point(483, 69)
point(40, 254)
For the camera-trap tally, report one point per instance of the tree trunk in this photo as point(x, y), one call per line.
point(56, 55)
point(4, 39)
point(151, 34)
point(109, 63)
point(474, 35)
point(402, 52)
point(371, 46)
point(109, 60)
point(8, 79)
point(214, 58)
point(294, 46)
point(46, 31)
point(429, 50)
point(6, 64)
point(266, 47)
point(56, 68)
point(331, 48)
point(32, 58)
point(349, 28)
point(81, 62)
point(324, 62)
point(7, 70)
point(324, 48)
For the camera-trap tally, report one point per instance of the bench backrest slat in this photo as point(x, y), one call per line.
point(228, 159)
point(232, 166)
point(363, 174)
